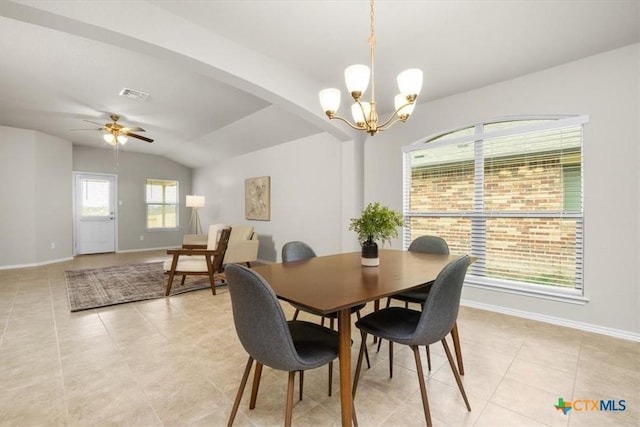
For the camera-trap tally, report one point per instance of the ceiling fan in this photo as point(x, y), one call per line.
point(116, 133)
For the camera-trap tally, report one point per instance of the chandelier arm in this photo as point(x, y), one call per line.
point(347, 122)
point(393, 115)
point(390, 123)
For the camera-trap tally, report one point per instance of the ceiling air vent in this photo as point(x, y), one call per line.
point(134, 94)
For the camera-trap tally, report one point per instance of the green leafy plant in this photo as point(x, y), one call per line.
point(377, 223)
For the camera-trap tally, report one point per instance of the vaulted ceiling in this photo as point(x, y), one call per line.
point(230, 77)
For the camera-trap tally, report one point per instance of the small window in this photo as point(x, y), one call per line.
point(162, 204)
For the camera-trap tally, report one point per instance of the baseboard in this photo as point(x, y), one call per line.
point(616, 333)
point(35, 264)
point(164, 248)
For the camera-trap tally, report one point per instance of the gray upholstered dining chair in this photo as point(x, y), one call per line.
point(415, 328)
point(298, 251)
point(271, 340)
point(427, 245)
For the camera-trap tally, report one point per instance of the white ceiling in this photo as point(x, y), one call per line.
point(230, 77)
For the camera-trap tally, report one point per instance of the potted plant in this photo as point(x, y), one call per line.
point(377, 223)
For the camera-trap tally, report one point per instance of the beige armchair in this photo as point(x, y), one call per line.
point(243, 246)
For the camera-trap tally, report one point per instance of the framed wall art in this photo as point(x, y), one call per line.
point(257, 198)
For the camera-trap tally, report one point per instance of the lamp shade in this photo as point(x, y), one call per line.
point(109, 138)
point(195, 201)
point(357, 78)
point(356, 112)
point(122, 139)
point(410, 81)
point(401, 100)
point(330, 99)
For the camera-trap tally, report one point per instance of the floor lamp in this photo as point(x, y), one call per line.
point(195, 202)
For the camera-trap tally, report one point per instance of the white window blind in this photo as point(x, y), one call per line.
point(509, 193)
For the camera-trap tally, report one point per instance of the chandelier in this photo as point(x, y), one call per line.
point(357, 79)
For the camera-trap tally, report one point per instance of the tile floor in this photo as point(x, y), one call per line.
point(177, 362)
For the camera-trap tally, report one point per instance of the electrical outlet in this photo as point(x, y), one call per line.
point(53, 245)
point(141, 237)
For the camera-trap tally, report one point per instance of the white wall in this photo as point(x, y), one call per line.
point(306, 194)
point(35, 198)
point(607, 88)
point(132, 171)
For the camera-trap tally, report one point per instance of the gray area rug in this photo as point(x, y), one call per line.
point(100, 287)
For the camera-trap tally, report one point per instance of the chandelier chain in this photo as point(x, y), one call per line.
point(372, 44)
point(372, 38)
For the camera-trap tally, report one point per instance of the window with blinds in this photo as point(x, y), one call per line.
point(507, 192)
point(162, 204)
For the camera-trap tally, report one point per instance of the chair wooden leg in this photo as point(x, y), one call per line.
point(423, 389)
point(301, 385)
point(356, 377)
point(457, 348)
point(426, 347)
point(455, 373)
point(295, 315)
point(379, 343)
point(288, 415)
point(172, 272)
point(376, 307)
point(169, 283)
point(256, 385)
point(330, 377)
point(248, 264)
point(366, 352)
point(243, 383)
point(184, 278)
point(212, 278)
point(390, 359)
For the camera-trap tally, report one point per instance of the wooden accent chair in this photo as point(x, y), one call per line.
point(198, 261)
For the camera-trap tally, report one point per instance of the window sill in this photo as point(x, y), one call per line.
point(570, 296)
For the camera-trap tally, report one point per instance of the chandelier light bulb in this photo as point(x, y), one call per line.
point(122, 139)
point(330, 100)
point(400, 100)
point(410, 81)
point(356, 112)
point(357, 79)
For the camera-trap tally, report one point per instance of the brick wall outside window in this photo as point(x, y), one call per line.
point(535, 250)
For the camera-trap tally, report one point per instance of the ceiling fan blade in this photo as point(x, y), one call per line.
point(133, 135)
point(92, 122)
point(101, 128)
point(132, 129)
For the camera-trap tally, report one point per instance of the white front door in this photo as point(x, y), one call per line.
point(95, 219)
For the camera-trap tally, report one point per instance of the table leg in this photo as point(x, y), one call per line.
point(344, 331)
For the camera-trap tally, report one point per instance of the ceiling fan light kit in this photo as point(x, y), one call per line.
point(357, 79)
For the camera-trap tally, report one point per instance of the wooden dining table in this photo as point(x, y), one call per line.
point(333, 283)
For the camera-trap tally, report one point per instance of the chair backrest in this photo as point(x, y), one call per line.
point(223, 242)
point(440, 310)
point(213, 237)
point(296, 251)
point(240, 233)
point(259, 320)
point(429, 245)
